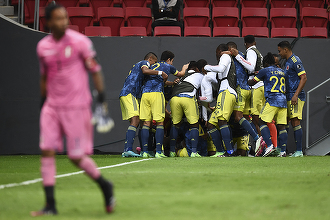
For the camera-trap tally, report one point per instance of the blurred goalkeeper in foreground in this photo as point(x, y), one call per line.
point(65, 56)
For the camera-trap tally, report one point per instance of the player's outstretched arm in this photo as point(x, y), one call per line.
point(249, 63)
point(303, 80)
point(147, 71)
point(183, 71)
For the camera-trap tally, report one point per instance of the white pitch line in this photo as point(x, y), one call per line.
point(28, 182)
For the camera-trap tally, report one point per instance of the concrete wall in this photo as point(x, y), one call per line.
point(19, 84)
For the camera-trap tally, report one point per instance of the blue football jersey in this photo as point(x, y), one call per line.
point(134, 80)
point(241, 74)
point(155, 83)
point(293, 70)
point(274, 83)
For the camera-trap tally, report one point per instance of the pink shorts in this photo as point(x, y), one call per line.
point(73, 124)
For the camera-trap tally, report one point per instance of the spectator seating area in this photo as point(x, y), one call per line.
point(203, 18)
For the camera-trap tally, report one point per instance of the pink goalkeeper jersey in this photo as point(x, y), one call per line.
point(65, 64)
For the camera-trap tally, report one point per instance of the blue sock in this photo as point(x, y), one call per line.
point(225, 134)
point(216, 138)
point(173, 135)
point(159, 138)
point(283, 139)
point(194, 135)
point(139, 136)
point(247, 126)
point(266, 135)
point(253, 126)
point(145, 138)
point(298, 133)
point(130, 136)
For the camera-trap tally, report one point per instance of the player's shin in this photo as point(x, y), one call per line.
point(298, 133)
point(48, 171)
point(159, 136)
point(266, 134)
point(130, 136)
point(173, 135)
point(283, 139)
point(89, 166)
point(216, 138)
point(194, 134)
point(248, 127)
point(145, 138)
point(226, 137)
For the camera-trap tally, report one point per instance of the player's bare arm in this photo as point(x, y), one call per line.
point(303, 80)
point(183, 71)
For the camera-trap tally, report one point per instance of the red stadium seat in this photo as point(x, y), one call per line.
point(314, 32)
point(29, 9)
point(81, 16)
point(42, 19)
point(255, 31)
point(133, 31)
point(225, 17)
point(282, 3)
point(112, 17)
point(96, 4)
point(68, 3)
point(172, 31)
point(98, 31)
point(226, 32)
point(197, 3)
point(196, 17)
point(197, 32)
point(73, 27)
point(224, 3)
point(139, 17)
point(254, 3)
point(311, 3)
point(284, 32)
point(283, 17)
point(254, 17)
point(134, 3)
point(314, 17)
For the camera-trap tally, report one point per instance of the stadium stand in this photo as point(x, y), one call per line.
point(282, 3)
point(196, 17)
point(254, 3)
point(314, 32)
point(254, 17)
point(139, 17)
point(225, 16)
point(314, 17)
point(283, 17)
point(311, 3)
point(172, 31)
point(68, 3)
point(255, 31)
point(81, 16)
point(96, 4)
point(197, 32)
point(98, 31)
point(73, 27)
point(133, 31)
point(112, 17)
point(284, 32)
point(226, 32)
point(134, 3)
point(196, 3)
point(222, 3)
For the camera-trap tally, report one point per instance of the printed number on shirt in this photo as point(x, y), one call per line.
point(156, 66)
point(282, 86)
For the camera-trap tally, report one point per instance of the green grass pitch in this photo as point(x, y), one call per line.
point(177, 188)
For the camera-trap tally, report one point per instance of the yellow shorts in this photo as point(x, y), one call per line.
point(243, 101)
point(257, 100)
point(224, 108)
point(129, 106)
point(186, 106)
point(242, 142)
point(295, 111)
point(152, 107)
point(268, 113)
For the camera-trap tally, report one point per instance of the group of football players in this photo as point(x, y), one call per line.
point(254, 96)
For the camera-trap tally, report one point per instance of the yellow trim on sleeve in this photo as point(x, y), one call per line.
point(301, 73)
point(145, 66)
point(256, 79)
point(176, 73)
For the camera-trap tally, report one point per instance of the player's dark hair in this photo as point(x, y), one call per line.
point(150, 54)
point(285, 44)
point(249, 39)
point(166, 55)
point(276, 55)
point(222, 47)
point(193, 65)
point(50, 8)
point(232, 44)
point(201, 63)
point(268, 60)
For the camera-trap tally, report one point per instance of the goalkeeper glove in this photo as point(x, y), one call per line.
point(104, 123)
